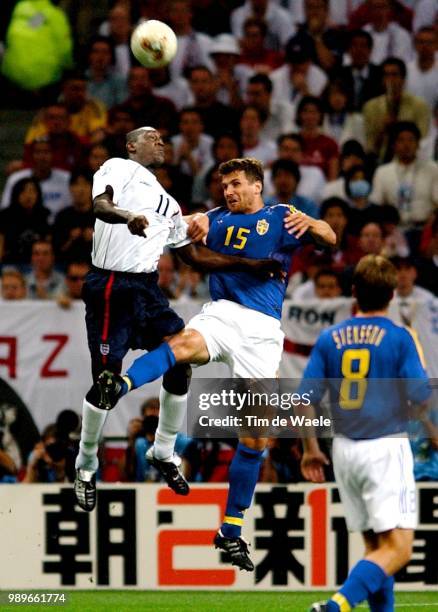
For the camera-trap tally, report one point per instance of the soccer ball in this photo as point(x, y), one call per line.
point(153, 43)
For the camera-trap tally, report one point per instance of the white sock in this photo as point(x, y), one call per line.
point(172, 412)
point(93, 420)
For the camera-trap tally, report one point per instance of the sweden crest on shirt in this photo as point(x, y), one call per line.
point(262, 227)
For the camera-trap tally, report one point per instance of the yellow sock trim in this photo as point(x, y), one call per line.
point(342, 602)
point(128, 381)
point(233, 520)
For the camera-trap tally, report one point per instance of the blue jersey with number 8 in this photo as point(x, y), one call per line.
point(372, 368)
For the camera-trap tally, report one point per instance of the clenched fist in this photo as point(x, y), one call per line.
point(198, 227)
point(137, 225)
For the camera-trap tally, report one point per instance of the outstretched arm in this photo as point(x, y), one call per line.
point(105, 210)
point(206, 260)
point(297, 223)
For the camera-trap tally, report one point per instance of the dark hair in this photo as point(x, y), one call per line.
point(334, 203)
point(298, 51)
point(403, 262)
point(191, 109)
point(309, 100)
point(434, 226)
point(297, 137)
point(107, 41)
point(120, 108)
point(375, 222)
point(81, 173)
point(353, 147)
point(74, 74)
point(361, 34)
point(405, 126)
point(327, 272)
point(387, 213)
point(77, 262)
point(374, 281)
point(18, 189)
point(231, 136)
point(394, 61)
point(340, 85)
point(252, 168)
point(287, 166)
point(261, 79)
point(209, 176)
point(150, 402)
point(427, 29)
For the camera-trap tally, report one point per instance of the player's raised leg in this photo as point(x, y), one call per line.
point(171, 359)
point(188, 346)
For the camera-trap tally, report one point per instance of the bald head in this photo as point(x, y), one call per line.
point(134, 135)
point(145, 146)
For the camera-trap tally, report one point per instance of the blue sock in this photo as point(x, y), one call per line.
point(364, 579)
point(150, 366)
point(243, 475)
point(383, 600)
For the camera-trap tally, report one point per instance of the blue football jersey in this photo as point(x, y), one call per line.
point(371, 367)
point(258, 235)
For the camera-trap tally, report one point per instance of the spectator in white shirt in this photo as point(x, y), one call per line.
point(193, 47)
point(43, 281)
point(118, 28)
point(253, 145)
point(298, 77)
point(191, 146)
point(54, 182)
point(422, 77)
point(339, 122)
point(406, 276)
point(278, 20)
point(312, 182)
point(279, 114)
point(231, 79)
point(389, 38)
point(325, 284)
point(409, 184)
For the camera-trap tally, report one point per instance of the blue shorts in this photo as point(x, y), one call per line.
point(125, 311)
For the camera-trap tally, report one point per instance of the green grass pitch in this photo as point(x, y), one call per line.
point(210, 601)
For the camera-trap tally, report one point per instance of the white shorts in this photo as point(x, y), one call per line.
point(250, 342)
point(376, 483)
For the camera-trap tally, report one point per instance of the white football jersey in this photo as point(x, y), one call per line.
point(137, 190)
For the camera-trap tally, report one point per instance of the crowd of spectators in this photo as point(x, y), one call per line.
point(338, 99)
